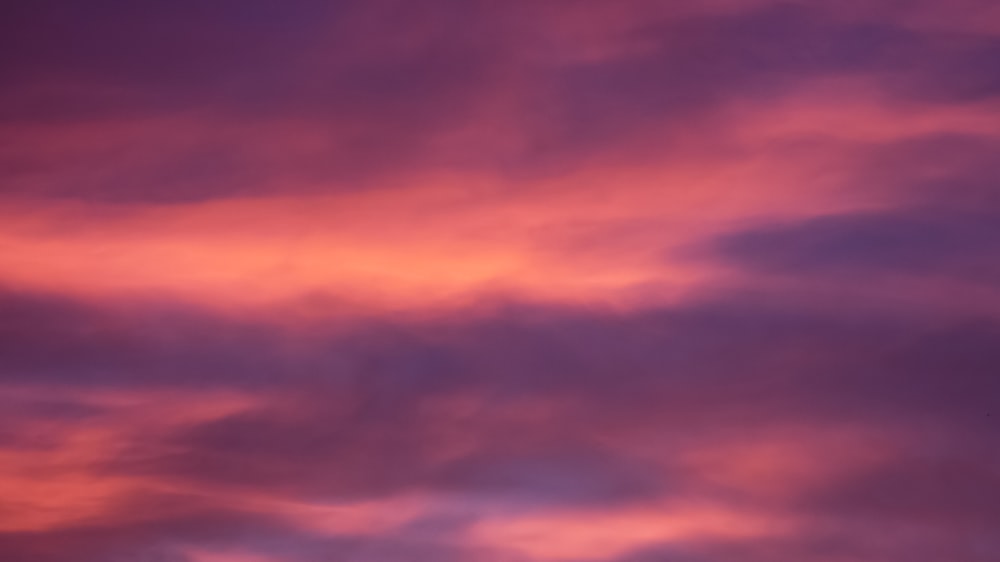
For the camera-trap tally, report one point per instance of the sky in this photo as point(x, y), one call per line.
point(500, 281)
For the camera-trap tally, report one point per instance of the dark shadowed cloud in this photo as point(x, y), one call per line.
point(187, 102)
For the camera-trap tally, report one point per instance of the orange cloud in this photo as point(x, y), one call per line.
point(55, 478)
point(604, 535)
point(444, 239)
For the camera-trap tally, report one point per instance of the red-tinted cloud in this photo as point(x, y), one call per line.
point(475, 281)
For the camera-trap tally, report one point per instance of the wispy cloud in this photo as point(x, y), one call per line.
point(524, 282)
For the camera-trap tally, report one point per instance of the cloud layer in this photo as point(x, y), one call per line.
point(471, 281)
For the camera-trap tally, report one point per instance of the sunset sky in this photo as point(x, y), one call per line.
point(500, 281)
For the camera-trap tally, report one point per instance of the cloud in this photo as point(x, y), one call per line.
point(519, 282)
point(527, 420)
point(112, 104)
point(918, 243)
